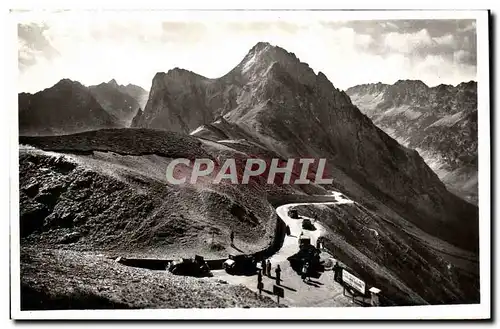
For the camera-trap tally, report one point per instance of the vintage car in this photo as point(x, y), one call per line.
point(304, 241)
point(307, 225)
point(240, 264)
point(292, 213)
point(196, 267)
point(309, 255)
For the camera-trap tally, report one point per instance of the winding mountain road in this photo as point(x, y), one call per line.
point(324, 291)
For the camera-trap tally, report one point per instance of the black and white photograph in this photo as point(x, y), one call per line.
point(250, 164)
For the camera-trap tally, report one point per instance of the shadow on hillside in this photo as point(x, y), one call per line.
point(32, 299)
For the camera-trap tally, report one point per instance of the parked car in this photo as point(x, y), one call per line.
point(240, 264)
point(304, 241)
point(309, 255)
point(307, 225)
point(196, 267)
point(292, 213)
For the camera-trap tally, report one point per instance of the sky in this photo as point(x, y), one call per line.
point(95, 48)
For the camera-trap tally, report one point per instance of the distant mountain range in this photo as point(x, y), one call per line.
point(69, 107)
point(439, 122)
point(66, 107)
point(122, 102)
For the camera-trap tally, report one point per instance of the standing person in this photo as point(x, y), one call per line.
point(304, 272)
point(260, 285)
point(278, 275)
point(337, 272)
point(268, 268)
point(232, 237)
point(264, 266)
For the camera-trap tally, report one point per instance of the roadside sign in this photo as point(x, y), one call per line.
point(353, 281)
point(278, 291)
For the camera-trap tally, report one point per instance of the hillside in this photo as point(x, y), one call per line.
point(280, 103)
point(399, 259)
point(439, 122)
point(111, 186)
point(104, 192)
point(66, 107)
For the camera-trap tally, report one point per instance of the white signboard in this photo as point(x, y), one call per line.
point(353, 281)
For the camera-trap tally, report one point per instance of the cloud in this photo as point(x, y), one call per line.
point(464, 57)
point(263, 26)
point(407, 42)
point(93, 49)
point(435, 28)
point(447, 40)
point(33, 44)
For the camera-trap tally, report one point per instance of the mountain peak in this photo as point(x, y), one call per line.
point(178, 72)
point(261, 45)
point(67, 83)
point(265, 59)
point(367, 88)
point(409, 82)
point(113, 83)
point(265, 49)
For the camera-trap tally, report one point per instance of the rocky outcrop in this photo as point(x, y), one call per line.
point(439, 122)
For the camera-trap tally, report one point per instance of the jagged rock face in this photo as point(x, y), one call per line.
point(180, 101)
point(67, 107)
point(287, 108)
point(116, 102)
point(439, 122)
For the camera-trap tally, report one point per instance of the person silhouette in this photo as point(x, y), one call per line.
point(337, 272)
point(268, 268)
point(278, 274)
point(305, 273)
point(260, 285)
